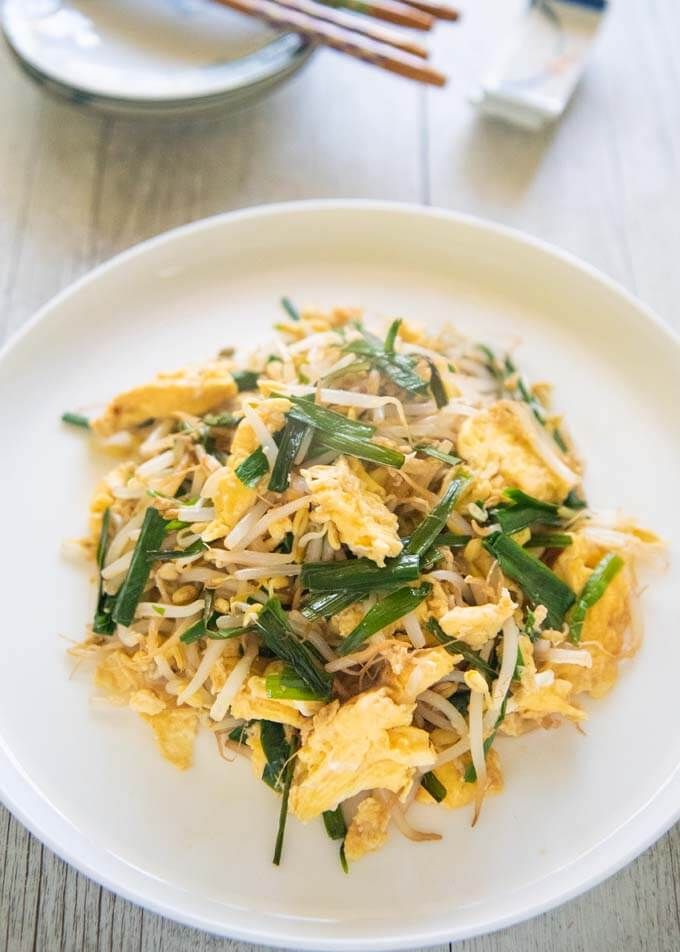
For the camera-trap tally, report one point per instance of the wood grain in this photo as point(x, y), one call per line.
point(76, 188)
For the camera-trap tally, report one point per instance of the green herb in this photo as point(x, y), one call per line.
point(453, 540)
point(75, 419)
point(523, 510)
point(602, 575)
point(359, 575)
point(224, 634)
point(432, 524)
point(360, 365)
point(286, 685)
point(539, 584)
point(456, 647)
point(437, 386)
point(328, 421)
point(286, 545)
point(399, 368)
point(175, 524)
point(103, 623)
point(246, 379)
point(273, 626)
point(283, 814)
point(437, 454)
point(227, 420)
point(329, 603)
point(150, 538)
point(290, 309)
point(334, 821)
point(434, 786)
point(574, 501)
point(549, 540)
point(293, 434)
point(470, 775)
point(252, 469)
point(391, 608)
point(166, 555)
point(276, 750)
point(361, 449)
point(240, 733)
point(392, 336)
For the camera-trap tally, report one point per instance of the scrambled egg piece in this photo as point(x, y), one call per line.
point(252, 703)
point(192, 390)
point(360, 745)
point(415, 672)
point(458, 791)
point(175, 730)
point(119, 676)
point(502, 440)
point(368, 830)
point(477, 623)
point(362, 520)
point(232, 499)
point(536, 705)
point(605, 625)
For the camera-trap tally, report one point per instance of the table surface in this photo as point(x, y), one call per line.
point(76, 188)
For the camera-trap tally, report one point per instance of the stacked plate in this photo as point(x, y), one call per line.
point(149, 56)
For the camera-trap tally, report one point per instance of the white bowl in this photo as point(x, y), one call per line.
point(197, 846)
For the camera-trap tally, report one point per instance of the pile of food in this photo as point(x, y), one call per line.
point(357, 560)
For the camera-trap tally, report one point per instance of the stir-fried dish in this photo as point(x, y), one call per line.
point(358, 560)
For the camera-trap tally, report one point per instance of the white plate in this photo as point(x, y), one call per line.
point(197, 846)
point(154, 54)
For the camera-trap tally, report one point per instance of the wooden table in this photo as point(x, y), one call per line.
point(76, 188)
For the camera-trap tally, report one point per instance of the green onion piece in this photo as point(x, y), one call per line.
point(432, 524)
point(283, 814)
point(523, 510)
point(470, 775)
point(103, 623)
point(76, 419)
point(343, 858)
point(150, 538)
point(574, 501)
point(602, 575)
point(252, 469)
point(539, 584)
point(453, 540)
point(277, 751)
point(492, 364)
point(437, 387)
point(437, 454)
point(286, 685)
point(359, 575)
point(221, 419)
point(360, 365)
point(390, 609)
point(194, 633)
point(166, 555)
point(246, 379)
point(362, 449)
point(329, 603)
point(290, 309)
point(549, 540)
point(434, 786)
point(294, 433)
point(392, 336)
point(398, 367)
point(224, 634)
point(461, 648)
point(273, 626)
point(328, 421)
point(175, 524)
point(533, 403)
point(334, 821)
point(239, 734)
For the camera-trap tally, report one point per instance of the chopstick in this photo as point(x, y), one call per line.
point(392, 11)
point(357, 25)
point(440, 11)
point(339, 38)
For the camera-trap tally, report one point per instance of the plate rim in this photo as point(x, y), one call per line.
point(294, 60)
point(420, 935)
